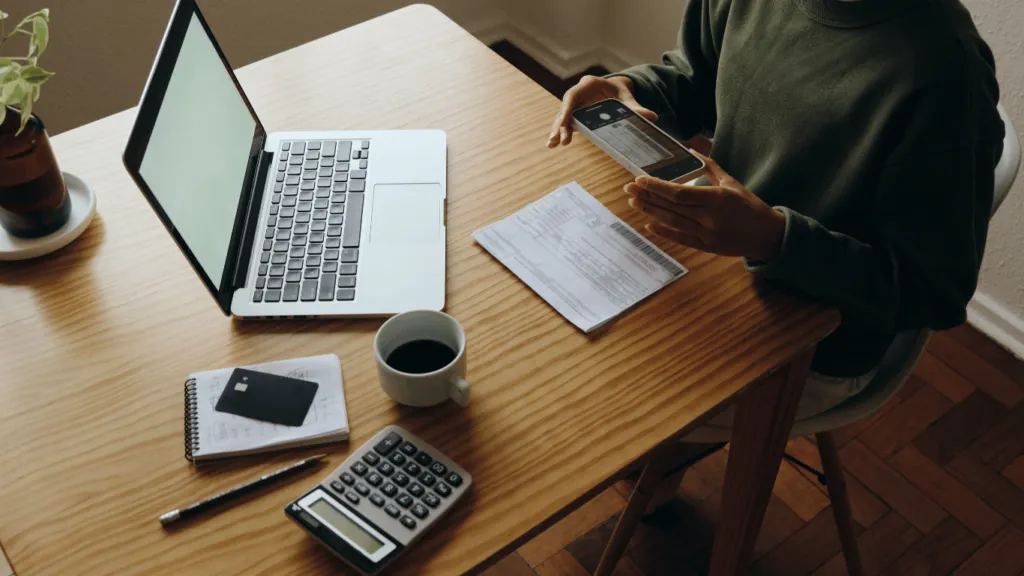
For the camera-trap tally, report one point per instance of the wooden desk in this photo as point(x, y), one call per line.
point(96, 340)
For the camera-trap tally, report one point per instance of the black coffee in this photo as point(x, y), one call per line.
point(420, 357)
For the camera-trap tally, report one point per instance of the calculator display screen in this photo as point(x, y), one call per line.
point(344, 525)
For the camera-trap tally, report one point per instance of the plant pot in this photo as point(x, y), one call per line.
point(33, 198)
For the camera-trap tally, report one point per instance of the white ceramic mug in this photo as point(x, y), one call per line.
point(432, 387)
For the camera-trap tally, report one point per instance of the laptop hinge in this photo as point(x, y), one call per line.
point(252, 217)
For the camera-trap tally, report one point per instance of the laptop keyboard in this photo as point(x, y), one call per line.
point(311, 241)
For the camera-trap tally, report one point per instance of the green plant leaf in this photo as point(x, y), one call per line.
point(41, 35)
point(35, 75)
point(3, 16)
point(26, 111)
point(3, 109)
point(35, 92)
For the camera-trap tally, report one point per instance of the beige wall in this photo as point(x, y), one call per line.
point(101, 50)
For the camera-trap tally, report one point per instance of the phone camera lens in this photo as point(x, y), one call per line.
point(605, 116)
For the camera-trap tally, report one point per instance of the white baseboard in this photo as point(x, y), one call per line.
point(998, 322)
point(561, 61)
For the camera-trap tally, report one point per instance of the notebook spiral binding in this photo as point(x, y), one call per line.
point(191, 418)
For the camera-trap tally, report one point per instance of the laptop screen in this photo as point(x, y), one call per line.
point(196, 159)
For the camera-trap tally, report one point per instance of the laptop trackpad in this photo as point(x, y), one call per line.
point(406, 213)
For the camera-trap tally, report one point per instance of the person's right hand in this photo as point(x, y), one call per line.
point(589, 90)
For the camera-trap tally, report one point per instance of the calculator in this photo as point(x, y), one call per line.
point(381, 500)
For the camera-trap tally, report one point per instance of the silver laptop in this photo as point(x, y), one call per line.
point(313, 223)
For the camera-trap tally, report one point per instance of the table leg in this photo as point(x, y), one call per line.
point(764, 417)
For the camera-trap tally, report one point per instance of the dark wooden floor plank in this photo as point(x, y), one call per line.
point(904, 422)
point(879, 545)
point(846, 434)
point(804, 551)
point(938, 553)
point(959, 427)
point(1000, 556)
point(976, 370)
point(892, 487)
point(991, 486)
point(990, 351)
point(948, 492)
point(1001, 443)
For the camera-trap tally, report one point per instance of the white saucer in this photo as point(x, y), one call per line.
point(83, 208)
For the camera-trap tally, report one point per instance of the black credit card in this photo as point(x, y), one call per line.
point(267, 397)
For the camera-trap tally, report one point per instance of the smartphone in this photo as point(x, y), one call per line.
point(637, 144)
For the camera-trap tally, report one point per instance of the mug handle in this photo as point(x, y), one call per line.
point(458, 390)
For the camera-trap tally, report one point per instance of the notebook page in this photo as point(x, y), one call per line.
point(220, 432)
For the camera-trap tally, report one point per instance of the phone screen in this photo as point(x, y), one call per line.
point(636, 139)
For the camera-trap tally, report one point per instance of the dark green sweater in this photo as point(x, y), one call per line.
point(872, 125)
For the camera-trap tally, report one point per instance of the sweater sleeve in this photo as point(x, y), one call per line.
point(930, 214)
point(681, 90)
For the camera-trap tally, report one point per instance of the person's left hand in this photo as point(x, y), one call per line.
point(724, 218)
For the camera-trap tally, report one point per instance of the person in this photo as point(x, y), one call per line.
point(854, 147)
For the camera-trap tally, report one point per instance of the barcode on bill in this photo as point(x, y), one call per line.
point(641, 243)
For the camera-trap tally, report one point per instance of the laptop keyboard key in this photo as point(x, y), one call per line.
point(365, 145)
point(353, 221)
point(344, 148)
point(305, 195)
point(347, 269)
point(329, 148)
point(309, 290)
point(342, 166)
point(338, 187)
point(275, 283)
point(280, 177)
point(295, 264)
point(294, 170)
point(317, 236)
point(341, 177)
point(298, 241)
point(325, 172)
point(291, 292)
point(327, 287)
point(304, 206)
point(283, 235)
point(279, 259)
point(269, 233)
point(297, 251)
point(285, 146)
point(334, 231)
point(307, 185)
point(313, 145)
point(313, 155)
point(272, 296)
point(350, 255)
point(323, 182)
point(277, 271)
point(319, 226)
point(275, 199)
point(310, 165)
point(357, 186)
point(295, 161)
point(288, 201)
point(362, 164)
point(320, 203)
point(346, 294)
point(302, 228)
point(309, 175)
point(319, 214)
point(316, 249)
point(330, 267)
point(280, 246)
point(298, 147)
point(263, 270)
point(358, 174)
point(338, 208)
point(323, 192)
point(302, 218)
point(257, 296)
point(332, 254)
point(336, 219)
point(313, 261)
point(333, 243)
point(265, 258)
point(274, 209)
point(347, 282)
point(291, 180)
point(291, 190)
point(311, 274)
point(293, 276)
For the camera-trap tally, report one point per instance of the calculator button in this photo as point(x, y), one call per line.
point(408, 522)
point(389, 490)
point(359, 469)
point(386, 469)
point(408, 449)
point(404, 500)
point(338, 487)
point(401, 479)
point(424, 459)
point(371, 458)
point(388, 443)
point(376, 500)
point(397, 458)
point(362, 489)
point(420, 511)
point(374, 479)
point(453, 479)
point(390, 510)
point(427, 479)
point(412, 469)
point(348, 478)
point(416, 490)
point(438, 469)
point(351, 497)
point(431, 500)
point(443, 489)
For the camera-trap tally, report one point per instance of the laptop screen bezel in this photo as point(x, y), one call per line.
point(153, 94)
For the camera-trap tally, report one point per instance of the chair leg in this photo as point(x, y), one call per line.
point(646, 488)
point(840, 502)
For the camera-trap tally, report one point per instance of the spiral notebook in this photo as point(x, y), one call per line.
point(210, 434)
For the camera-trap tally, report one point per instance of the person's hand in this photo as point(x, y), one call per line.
point(724, 218)
point(588, 90)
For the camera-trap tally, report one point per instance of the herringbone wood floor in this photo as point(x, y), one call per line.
point(936, 481)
